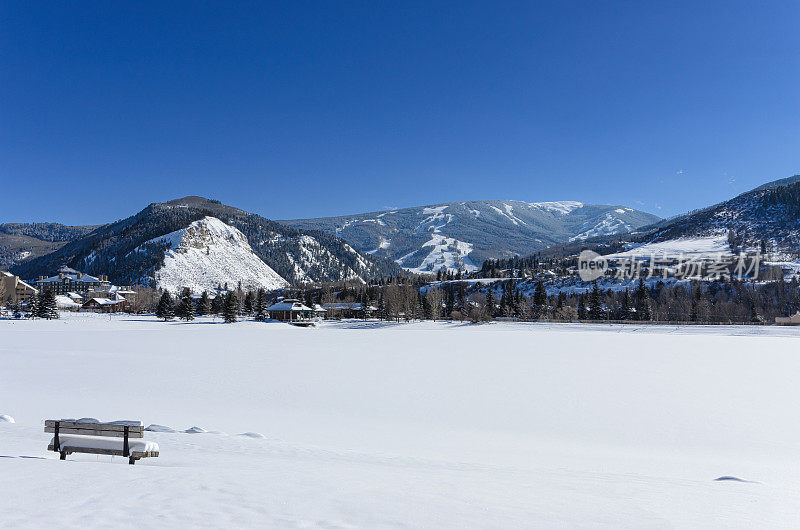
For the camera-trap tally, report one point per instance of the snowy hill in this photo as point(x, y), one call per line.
point(21, 241)
point(463, 234)
point(132, 251)
point(768, 214)
point(209, 253)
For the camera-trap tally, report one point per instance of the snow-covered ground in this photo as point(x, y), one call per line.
point(426, 425)
point(710, 247)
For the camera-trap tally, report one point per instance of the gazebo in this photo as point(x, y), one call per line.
point(290, 310)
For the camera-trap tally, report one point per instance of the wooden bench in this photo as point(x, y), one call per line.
point(88, 436)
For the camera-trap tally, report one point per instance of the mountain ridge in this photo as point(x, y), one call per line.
point(462, 234)
point(297, 256)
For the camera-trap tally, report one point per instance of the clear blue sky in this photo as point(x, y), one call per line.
point(305, 109)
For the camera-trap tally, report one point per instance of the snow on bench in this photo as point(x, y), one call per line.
point(87, 435)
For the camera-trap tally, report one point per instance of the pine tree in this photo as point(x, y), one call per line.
point(32, 305)
point(625, 310)
point(693, 315)
point(248, 303)
point(490, 303)
point(46, 306)
point(166, 307)
point(203, 305)
point(185, 310)
point(595, 305)
point(642, 302)
point(261, 305)
point(217, 303)
point(229, 308)
point(539, 300)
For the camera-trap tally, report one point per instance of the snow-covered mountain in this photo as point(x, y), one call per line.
point(21, 241)
point(461, 235)
point(133, 250)
point(769, 213)
point(209, 253)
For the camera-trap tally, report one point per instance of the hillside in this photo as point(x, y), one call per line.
point(208, 254)
point(21, 241)
point(128, 251)
point(769, 213)
point(461, 235)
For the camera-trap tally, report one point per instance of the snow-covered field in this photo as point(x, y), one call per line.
point(427, 425)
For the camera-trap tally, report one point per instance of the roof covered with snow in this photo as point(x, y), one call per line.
point(84, 278)
point(289, 305)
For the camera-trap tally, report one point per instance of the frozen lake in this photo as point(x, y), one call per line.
point(435, 425)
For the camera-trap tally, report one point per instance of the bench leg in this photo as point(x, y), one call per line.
point(131, 461)
point(63, 455)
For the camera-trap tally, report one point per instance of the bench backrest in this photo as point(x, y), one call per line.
point(115, 429)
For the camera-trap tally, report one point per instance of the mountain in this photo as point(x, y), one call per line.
point(461, 235)
point(134, 250)
point(21, 241)
point(209, 253)
point(768, 213)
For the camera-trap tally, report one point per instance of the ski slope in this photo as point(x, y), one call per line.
point(425, 425)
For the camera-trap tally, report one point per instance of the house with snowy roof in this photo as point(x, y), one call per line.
point(67, 303)
point(106, 305)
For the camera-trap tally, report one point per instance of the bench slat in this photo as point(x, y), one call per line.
point(93, 432)
point(112, 452)
point(92, 426)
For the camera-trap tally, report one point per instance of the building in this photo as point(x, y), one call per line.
point(75, 297)
point(66, 303)
point(105, 305)
point(348, 310)
point(290, 310)
point(793, 320)
point(73, 281)
point(114, 292)
point(15, 290)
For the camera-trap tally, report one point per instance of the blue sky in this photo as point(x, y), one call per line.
point(301, 109)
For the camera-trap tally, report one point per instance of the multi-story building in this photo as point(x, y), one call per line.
point(76, 282)
point(13, 289)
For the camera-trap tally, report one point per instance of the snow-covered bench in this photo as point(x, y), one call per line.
point(88, 435)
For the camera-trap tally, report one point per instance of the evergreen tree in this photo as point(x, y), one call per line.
point(642, 302)
point(185, 310)
point(203, 305)
point(625, 310)
point(32, 305)
point(539, 299)
point(248, 303)
point(693, 315)
point(166, 307)
point(46, 306)
point(261, 305)
point(595, 304)
point(490, 303)
point(217, 303)
point(229, 308)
